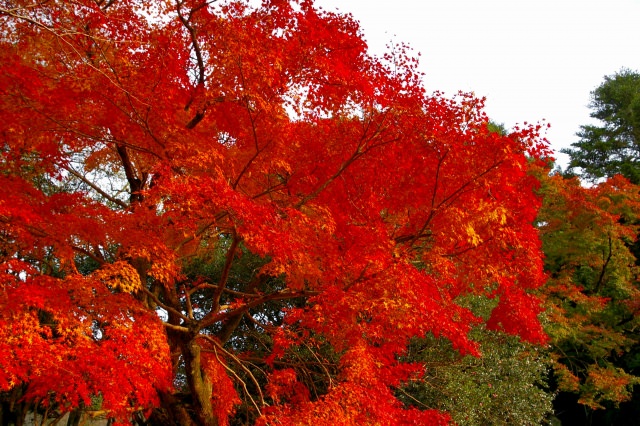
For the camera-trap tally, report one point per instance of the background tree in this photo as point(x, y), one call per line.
point(505, 386)
point(614, 146)
point(211, 211)
point(603, 152)
point(592, 295)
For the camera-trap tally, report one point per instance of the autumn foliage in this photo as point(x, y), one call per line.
point(215, 210)
point(588, 234)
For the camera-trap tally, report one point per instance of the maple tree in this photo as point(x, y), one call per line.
point(212, 210)
point(592, 292)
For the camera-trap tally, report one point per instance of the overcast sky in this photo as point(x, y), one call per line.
point(532, 60)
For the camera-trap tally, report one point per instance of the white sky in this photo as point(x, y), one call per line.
point(532, 60)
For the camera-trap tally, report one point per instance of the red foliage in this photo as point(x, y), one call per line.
point(237, 131)
point(68, 348)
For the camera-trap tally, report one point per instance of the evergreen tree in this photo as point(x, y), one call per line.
point(614, 146)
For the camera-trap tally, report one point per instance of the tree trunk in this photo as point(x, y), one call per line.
point(12, 409)
point(173, 412)
point(74, 417)
point(200, 385)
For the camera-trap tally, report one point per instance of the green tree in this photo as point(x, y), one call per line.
point(506, 386)
point(614, 146)
point(592, 293)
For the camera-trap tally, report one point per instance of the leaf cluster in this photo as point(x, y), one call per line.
point(612, 147)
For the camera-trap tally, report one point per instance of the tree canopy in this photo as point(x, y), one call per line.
point(592, 291)
point(214, 211)
point(613, 147)
point(590, 242)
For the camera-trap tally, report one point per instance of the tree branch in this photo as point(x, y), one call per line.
point(241, 365)
point(164, 306)
point(95, 187)
point(88, 254)
point(604, 266)
point(213, 317)
point(231, 253)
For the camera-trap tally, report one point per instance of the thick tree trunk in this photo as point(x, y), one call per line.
point(74, 418)
point(172, 413)
point(198, 409)
point(199, 384)
point(13, 410)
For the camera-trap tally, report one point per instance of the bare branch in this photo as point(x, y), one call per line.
point(241, 365)
point(177, 327)
point(165, 306)
point(95, 187)
point(187, 296)
point(224, 277)
point(213, 316)
point(89, 254)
